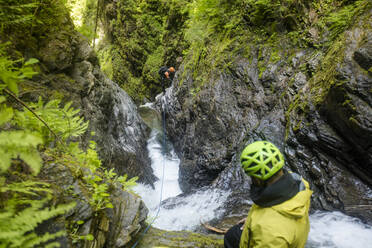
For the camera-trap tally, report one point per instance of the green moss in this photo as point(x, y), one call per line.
point(322, 81)
point(156, 237)
point(27, 23)
point(341, 19)
point(349, 104)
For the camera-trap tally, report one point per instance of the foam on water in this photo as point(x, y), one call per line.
point(191, 210)
point(337, 230)
point(188, 211)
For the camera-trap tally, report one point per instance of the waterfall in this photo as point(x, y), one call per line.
point(179, 212)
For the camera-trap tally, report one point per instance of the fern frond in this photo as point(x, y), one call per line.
point(16, 227)
point(26, 187)
point(65, 121)
point(34, 240)
point(22, 144)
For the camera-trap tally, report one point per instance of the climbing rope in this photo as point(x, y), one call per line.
point(162, 177)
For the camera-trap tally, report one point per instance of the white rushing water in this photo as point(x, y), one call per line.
point(327, 229)
point(170, 162)
point(337, 230)
point(190, 210)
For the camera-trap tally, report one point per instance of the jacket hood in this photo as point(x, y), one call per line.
point(297, 206)
point(280, 191)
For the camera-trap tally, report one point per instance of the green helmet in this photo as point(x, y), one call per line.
point(261, 159)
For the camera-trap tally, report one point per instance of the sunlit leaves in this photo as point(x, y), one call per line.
point(63, 120)
point(20, 144)
point(11, 74)
point(6, 114)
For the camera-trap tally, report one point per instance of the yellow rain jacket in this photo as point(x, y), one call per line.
point(280, 226)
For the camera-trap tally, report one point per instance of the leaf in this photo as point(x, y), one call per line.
point(2, 99)
point(12, 85)
point(33, 159)
point(89, 237)
point(22, 143)
point(6, 114)
point(27, 72)
point(5, 161)
point(31, 61)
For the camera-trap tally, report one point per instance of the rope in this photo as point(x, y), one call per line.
point(162, 178)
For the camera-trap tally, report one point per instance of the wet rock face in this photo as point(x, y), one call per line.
point(120, 133)
point(331, 147)
point(348, 106)
point(72, 73)
point(207, 128)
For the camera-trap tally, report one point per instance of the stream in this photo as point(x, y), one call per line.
point(327, 229)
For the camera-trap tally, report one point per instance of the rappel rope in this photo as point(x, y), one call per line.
point(162, 177)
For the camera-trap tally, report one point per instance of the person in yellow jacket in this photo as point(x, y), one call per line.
point(279, 217)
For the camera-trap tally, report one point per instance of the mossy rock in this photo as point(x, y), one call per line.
point(177, 239)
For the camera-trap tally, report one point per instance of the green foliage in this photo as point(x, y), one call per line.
point(98, 181)
point(20, 215)
point(135, 20)
point(73, 227)
point(14, 144)
point(23, 204)
point(219, 31)
point(104, 56)
point(326, 76)
point(10, 73)
point(17, 12)
point(23, 20)
point(19, 143)
point(64, 121)
point(275, 14)
point(25, 201)
point(145, 36)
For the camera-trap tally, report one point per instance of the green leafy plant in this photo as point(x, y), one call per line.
point(22, 20)
point(74, 227)
point(17, 12)
point(20, 214)
point(10, 73)
point(24, 140)
point(23, 200)
point(98, 181)
point(63, 120)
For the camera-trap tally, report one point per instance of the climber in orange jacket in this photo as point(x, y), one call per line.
point(166, 74)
